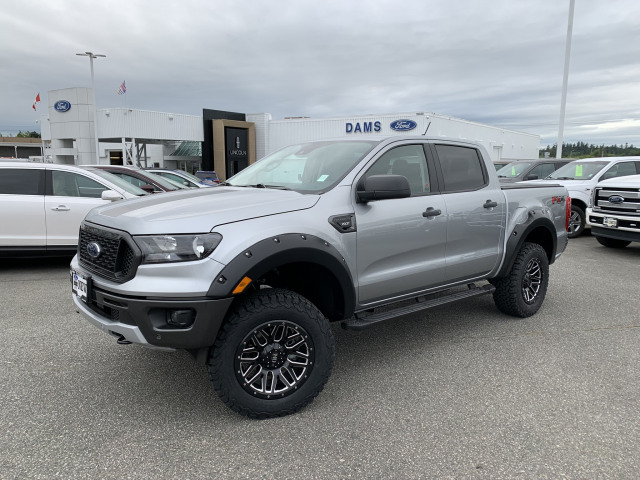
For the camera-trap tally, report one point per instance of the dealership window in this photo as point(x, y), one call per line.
point(461, 168)
point(408, 161)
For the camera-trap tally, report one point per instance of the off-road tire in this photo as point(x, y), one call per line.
point(250, 324)
point(612, 242)
point(577, 221)
point(522, 292)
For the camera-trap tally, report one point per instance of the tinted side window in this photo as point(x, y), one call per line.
point(621, 169)
point(407, 160)
point(22, 181)
point(461, 168)
point(543, 170)
point(88, 187)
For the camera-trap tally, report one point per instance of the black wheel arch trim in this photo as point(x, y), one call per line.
point(275, 251)
point(519, 235)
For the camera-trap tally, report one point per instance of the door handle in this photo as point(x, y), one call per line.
point(61, 208)
point(490, 204)
point(431, 212)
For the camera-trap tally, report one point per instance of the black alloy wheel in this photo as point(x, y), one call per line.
point(523, 290)
point(275, 359)
point(273, 355)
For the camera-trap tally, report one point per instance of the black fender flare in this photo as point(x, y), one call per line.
point(520, 234)
point(269, 253)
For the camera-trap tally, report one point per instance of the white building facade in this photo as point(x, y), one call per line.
point(146, 138)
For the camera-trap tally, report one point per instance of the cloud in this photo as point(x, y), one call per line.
point(499, 62)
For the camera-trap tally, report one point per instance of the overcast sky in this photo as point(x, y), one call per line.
point(498, 62)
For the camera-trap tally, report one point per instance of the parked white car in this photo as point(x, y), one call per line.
point(42, 205)
point(581, 176)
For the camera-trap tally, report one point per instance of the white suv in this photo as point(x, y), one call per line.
point(42, 205)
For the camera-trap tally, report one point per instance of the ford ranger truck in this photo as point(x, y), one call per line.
point(614, 216)
point(249, 275)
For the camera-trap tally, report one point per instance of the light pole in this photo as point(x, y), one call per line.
point(91, 56)
point(565, 79)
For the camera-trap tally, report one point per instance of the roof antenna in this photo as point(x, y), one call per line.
point(428, 125)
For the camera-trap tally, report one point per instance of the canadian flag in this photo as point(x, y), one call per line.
point(37, 100)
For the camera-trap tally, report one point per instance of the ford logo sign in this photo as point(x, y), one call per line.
point(403, 125)
point(62, 106)
point(616, 199)
point(94, 250)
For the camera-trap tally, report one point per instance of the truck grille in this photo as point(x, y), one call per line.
point(117, 258)
point(622, 201)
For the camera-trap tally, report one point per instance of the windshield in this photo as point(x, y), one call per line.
point(173, 181)
point(306, 168)
point(578, 170)
point(187, 175)
point(513, 170)
point(164, 182)
point(117, 181)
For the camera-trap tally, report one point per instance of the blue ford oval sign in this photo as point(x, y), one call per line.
point(403, 125)
point(62, 106)
point(616, 199)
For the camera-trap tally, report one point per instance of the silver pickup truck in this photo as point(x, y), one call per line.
point(247, 276)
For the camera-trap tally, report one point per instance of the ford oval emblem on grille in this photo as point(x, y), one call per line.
point(403, 125)
point(616, 199)
point(94, 249)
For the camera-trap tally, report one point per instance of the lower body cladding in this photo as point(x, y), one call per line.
point(165, 324)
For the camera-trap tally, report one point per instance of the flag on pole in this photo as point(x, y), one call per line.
point(123, 89)
point(37, 100)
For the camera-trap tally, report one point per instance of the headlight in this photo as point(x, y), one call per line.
point(177, 248)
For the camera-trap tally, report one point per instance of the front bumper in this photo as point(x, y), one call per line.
point(145, 320)
point(627, 228)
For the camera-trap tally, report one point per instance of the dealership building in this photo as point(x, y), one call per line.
point(227, 142)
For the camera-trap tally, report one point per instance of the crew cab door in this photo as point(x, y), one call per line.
point(475, 212)
point(400, 242)
point(69, 198)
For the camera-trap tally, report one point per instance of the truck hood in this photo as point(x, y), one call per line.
point(568, 184)
point(197, 210)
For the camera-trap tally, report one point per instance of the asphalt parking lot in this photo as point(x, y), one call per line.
point(460, 391)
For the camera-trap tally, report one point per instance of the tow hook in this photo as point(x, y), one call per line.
point(120, 338)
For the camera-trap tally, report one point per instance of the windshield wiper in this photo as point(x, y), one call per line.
point(563, 178)
point(262, 185)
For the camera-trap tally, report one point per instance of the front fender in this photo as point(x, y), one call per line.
point(271, 253)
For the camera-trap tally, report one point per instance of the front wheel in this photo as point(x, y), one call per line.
point(577, 220)
point(612, 242)
point(273, 355)
point(522, 292)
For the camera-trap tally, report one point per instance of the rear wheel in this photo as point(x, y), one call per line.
point(612, 242)
point(577, 221)
point(273, 355)
point(522, 292)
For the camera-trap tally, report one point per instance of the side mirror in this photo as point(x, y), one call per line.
point(531, 176)
point(383, 187)
point(110, 195)
point(148, 188)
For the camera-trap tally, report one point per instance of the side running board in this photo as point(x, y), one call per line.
point(363, 320)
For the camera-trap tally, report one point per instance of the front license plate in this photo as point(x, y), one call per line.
point(610, 222)
point(79, 285)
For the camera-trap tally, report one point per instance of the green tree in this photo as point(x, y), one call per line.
point(22, 134)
